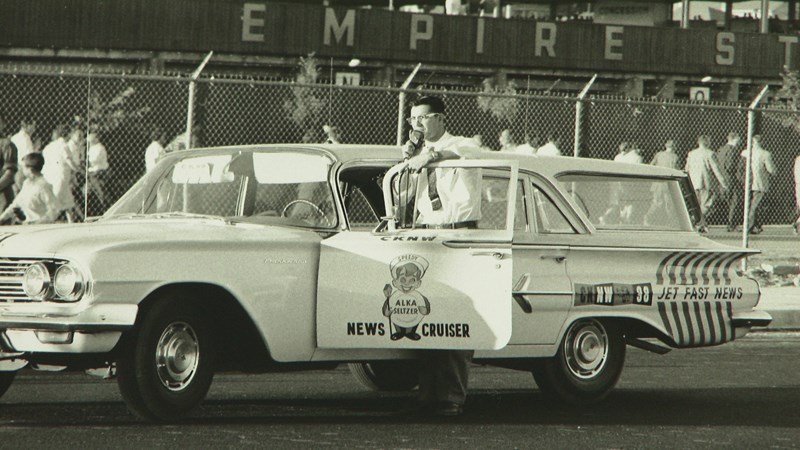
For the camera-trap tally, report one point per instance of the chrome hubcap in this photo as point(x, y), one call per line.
point(177, 356)
point(586, 349)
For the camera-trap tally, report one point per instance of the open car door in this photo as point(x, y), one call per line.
point(406, 285)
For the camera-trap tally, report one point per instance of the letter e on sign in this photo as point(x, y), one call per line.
point(251, 24)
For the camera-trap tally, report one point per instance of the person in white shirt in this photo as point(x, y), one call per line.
point(97, 159)
point(23, 140)
point(628, 154)
point(458, 190)
point(507, 141)
point(155, 151)
point(455, 203)
point(35, 200)
point(59, 169)
point(530, 146)
point(550, 148)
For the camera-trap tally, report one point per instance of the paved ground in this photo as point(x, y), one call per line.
point(739, 395)
point(780, 248)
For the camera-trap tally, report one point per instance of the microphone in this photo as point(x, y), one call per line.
point(416, 138)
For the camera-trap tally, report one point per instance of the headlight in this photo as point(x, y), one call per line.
point(36, 281)
point(68, 283)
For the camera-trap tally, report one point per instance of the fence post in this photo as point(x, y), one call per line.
point(401, 107)
point(579, 115)
point(751, 124)
point(190, 108)
point(86, 148)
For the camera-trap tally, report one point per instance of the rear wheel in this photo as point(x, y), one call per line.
point(6, 378)
point(587, 366)
point(167, 363)
point(386, 375)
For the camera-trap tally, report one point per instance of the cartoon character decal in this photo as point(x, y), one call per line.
point(406, 307)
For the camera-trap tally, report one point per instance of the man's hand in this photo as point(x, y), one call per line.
point(418, 162)
point(409, 150)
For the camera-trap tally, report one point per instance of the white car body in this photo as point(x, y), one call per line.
point(312, 292)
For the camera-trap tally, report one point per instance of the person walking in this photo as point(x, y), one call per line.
point(763, 168)
point(59, 170)
point(23, 140)
point(730, 162)
point(97, 159)
point(667, 157)
point(704, 172)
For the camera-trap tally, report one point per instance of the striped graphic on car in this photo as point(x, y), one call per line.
point(693, 324)
point(690, 268)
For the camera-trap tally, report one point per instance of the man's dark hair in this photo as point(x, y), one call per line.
point(34, 160)
point(436, 104)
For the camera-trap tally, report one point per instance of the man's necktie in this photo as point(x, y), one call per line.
point(433, 193)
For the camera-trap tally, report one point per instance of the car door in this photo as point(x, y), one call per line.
point(404, 286)
point(542, 290)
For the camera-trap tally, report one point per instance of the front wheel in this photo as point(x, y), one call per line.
point(6, 378)
point(587, 366)
point(167, 363)
point(394, 376)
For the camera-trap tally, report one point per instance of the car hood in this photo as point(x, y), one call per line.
point(74, 239)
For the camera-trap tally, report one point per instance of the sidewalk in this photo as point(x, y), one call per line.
point(783, 304)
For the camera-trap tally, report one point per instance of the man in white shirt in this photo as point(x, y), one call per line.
point(23, 140)
point(550, 148)
point(456, 203)
point(628, 154)
point(155, 151)
point(530, 146)
point(458, 190)
point(59, 169)
point(97, 158)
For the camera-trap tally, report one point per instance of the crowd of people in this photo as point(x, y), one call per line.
point(46, 184)
point(718, 177)
point(40, 185)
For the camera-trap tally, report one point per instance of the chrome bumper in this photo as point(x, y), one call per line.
point(96, 329)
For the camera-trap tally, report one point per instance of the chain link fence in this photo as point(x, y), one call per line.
point(124, 109)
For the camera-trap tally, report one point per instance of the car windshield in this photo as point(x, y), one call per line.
point(289, 186)
point(613, 202)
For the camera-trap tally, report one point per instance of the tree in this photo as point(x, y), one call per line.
point(788, 98)
point(108, 116)
point(502, 105)
point(304, 107)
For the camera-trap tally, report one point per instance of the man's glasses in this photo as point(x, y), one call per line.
point(412, 120)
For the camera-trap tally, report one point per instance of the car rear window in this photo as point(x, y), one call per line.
point(613, 202)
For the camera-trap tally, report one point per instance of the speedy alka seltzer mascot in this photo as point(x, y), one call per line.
point(406, 307)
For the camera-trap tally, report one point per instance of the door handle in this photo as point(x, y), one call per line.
point(556, 258)
point(496, 255)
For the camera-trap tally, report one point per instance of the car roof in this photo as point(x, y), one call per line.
point(545, 165)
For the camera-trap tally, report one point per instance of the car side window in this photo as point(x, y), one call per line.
point(548, 217)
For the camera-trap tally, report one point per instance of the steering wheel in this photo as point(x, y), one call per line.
point(314, 208)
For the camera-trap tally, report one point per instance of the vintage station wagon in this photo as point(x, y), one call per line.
point(272, 257)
